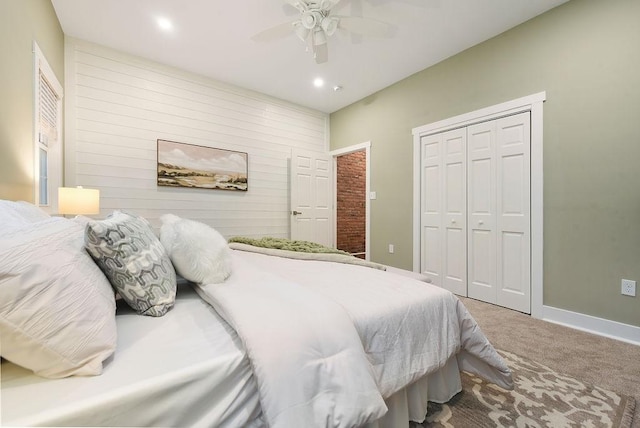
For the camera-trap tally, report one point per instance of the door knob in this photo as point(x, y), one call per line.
point(480, 222)
point(453, 220)
point(296, 212)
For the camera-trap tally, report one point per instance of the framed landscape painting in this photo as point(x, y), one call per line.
point(188, 165)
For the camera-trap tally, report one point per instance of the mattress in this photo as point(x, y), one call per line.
point(187, 368)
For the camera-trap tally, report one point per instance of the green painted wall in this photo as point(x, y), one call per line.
point(586, 55)
point(22, 22)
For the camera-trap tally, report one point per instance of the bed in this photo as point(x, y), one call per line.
point(279, 341)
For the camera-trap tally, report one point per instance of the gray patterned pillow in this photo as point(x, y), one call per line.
point(134, 261)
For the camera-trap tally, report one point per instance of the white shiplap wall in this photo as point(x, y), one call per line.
point(118, 105)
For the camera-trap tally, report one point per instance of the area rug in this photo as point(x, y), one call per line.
point(541, 398)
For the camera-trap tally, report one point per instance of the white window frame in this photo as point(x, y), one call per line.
point(53, 147)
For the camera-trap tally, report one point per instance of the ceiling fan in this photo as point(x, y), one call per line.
point(316, 23)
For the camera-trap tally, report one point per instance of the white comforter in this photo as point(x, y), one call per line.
point(328, 341)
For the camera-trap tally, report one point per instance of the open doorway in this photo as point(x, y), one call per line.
point(351, 203)
point(351, 166)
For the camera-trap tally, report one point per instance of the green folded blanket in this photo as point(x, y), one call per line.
point(287, 244)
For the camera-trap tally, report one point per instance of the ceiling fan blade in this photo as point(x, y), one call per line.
point(290, 10)
point(328, 4)
point(273, 33)
point(294, 3)
point(415, 3)
point(321, 53)
point(365, 26)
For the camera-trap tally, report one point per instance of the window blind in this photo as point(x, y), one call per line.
point(48, 112)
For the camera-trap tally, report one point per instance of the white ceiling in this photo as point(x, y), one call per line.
point(212, 38)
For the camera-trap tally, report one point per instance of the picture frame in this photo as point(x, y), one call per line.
point(202, 167)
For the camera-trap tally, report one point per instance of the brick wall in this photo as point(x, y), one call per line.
point(351, 209)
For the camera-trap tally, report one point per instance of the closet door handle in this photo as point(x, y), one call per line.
point(480, 222)
point(296, 212)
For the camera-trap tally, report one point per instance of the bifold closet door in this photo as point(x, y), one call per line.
point(513, 210)
point(475, 211)
point(481, 215)
point(498, 219)
point(443, 208)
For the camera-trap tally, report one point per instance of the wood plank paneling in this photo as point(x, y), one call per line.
point(118, 105)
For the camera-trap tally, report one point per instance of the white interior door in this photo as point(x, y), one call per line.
point(513, 225)
point(311, 197)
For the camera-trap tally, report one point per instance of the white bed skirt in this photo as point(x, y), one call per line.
point(410, 403)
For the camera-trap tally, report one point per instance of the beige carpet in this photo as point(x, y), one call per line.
point(541, 398)
point(594, 360)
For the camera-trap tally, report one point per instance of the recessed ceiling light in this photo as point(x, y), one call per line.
point(318, 83)
point(164, 23)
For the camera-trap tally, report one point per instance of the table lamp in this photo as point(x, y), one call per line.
point(77, 200)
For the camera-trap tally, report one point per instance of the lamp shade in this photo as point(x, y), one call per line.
point(77, 200)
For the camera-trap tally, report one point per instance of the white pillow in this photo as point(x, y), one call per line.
point(198, 252)
point(57, 309)
point(15, 215)
point(30, 212)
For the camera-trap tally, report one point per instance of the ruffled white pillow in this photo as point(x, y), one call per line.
point(14, 215)
point(57, 309)
point(198, 252)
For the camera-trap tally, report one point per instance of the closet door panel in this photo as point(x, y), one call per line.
point(432, 254)
point(432, 190)
point(481, 153)
point(514, 212)
point(481, 266)
point(455, 265)
point(513, 265)
point(454, 207)
point(431, 208)
point(513, 205)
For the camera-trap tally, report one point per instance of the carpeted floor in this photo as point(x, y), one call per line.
point(541, 398)
point(592, 359)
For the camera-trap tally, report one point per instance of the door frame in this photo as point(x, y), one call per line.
point(533, 104)
point(366, 146)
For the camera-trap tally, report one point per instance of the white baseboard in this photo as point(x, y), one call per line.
point(600, 326)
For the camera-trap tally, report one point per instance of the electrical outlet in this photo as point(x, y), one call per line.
point(628, 287)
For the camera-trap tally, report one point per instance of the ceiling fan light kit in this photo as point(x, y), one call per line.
point(319, 37)
point(329, 24)
point(301, 31)
point(315, 25)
